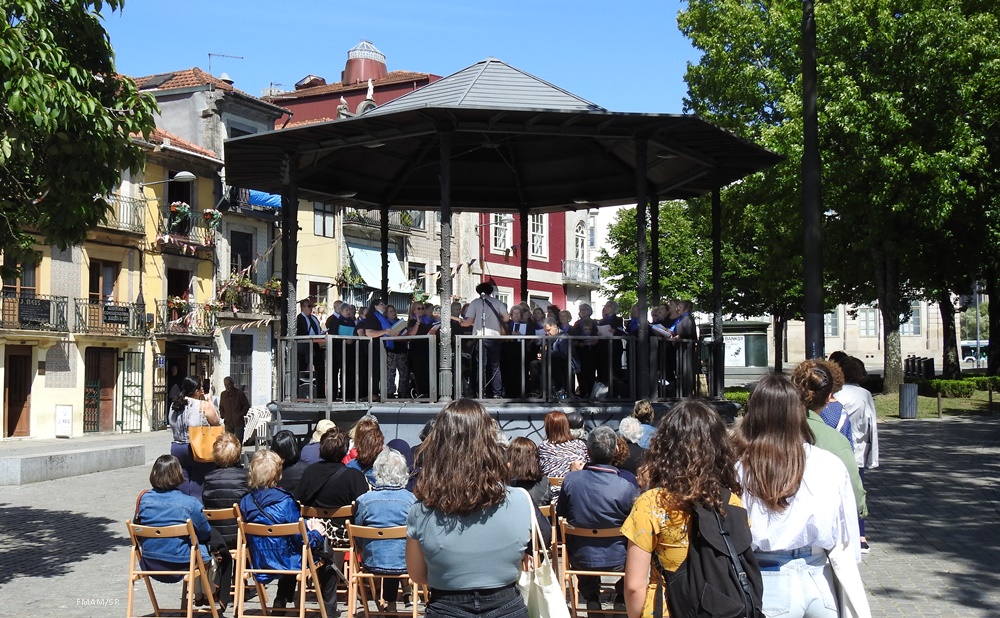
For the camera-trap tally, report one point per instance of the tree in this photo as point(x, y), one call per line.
point(900, 147)
point(967, 323)
point(66, 117)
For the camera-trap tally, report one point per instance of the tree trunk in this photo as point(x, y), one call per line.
point(887, 289)
point(950, 369)
point(779, 341)
point(993, 360)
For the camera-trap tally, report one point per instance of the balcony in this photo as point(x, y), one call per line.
point(109, 318)
point(580, 273)
point(175, 317)
point(241, 303)
point(399, 220)
point(185, 232)
point(126, 214)
point(30, 311)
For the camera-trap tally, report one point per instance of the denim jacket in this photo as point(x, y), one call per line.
point(384, 507)
point(279, 553)
point(167, 508)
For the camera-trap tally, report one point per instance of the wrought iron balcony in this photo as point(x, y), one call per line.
point(126, 214)
point(30, 311)
point(238, 302)
point(183, 318)
point(584, 274)
point(109, 318)
point(399, 220)
point(185, 232)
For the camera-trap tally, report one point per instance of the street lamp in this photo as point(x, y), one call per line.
point(184, 176)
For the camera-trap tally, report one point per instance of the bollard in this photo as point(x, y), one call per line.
point(907, 401)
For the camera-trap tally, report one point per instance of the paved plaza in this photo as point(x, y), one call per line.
point(934, 528)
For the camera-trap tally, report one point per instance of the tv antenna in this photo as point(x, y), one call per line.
point(211, 55)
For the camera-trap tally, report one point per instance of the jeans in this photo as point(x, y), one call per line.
point(800, 587)
point(505, 601)
point(492, 381)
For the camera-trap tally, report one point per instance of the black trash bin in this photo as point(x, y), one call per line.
point(907, 401)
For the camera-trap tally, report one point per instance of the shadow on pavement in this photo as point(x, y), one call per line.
point(46, 543)
point(934, 499)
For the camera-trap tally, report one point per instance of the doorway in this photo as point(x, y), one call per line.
point(17, 391)
point(100, 378)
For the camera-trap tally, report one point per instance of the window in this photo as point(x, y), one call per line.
point(580, 242)
point(323, 219)
point(504, 297)
point(240, 251)
point(318, 290)
point(501, 232)
point(592, 231)
point(911, 326)
point(417, 272)
point(536, 236)
point(240, 360)
point(180, 192)
point(418, 219)
point(102, 281)
point(868, 322)
point(25, 286)
point(831, 324)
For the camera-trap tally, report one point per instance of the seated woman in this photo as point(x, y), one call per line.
point(227, 484)
point(166, 505)
point(330, 484)
point(268, 504)
point(369, 441)
point(384, 507)
point(286, 445)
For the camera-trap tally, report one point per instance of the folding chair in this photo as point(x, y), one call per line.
point(569, 575)
point(225, 516)
point(359, 576)
point(196, 568)
point(549, 511)
point(307, 569)
point(343, 512)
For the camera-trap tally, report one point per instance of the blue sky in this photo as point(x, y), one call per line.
point(627, 56)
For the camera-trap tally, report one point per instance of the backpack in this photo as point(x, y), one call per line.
point(720, 576)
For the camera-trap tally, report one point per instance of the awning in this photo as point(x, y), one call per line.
point(260, 198)
point(368, 263)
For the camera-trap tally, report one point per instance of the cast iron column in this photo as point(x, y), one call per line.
point(289, 239)
point(812, 256)
point(718, 342)
point(654, 250)
point(383, 212)
point(525, 222)
point(642, 344)
point(444, 334)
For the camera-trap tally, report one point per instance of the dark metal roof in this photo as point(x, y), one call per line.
point(516, 141)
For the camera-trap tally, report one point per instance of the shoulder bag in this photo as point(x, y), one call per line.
point(504, 330)
point(203, 437)
point(539, 588)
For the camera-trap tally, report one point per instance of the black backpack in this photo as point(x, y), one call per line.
point(720, 576)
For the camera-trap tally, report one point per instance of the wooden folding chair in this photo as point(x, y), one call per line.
point(549, 511)
point(359, 577)
point(342, 512)
point(196, 568)
point(568, 575)
point(225, 516)
point(307, 570)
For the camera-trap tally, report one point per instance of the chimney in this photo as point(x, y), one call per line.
point(364, 62)
point(225, 77)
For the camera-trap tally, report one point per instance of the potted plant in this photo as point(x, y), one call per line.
point(214, 218)
point(180, 213)
point(272, 287)
point(178, 304)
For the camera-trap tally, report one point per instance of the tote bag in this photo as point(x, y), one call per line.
point(202, 438)
point(539, 587)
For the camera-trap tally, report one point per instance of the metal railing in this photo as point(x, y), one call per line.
point(183, 319)
point(185, 230)
point(399, 220)
point(238, 301)
point(127, 214)
point(30, 311)
point(585, 273)
point(361, 296)
point(109, 317)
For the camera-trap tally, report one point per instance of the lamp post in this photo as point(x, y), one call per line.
point(812, 256)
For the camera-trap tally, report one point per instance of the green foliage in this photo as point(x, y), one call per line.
point(985, 383)
point(65, 120)
point(685, 256)
point(967, 323)
point(953, 388)
point(738, 395)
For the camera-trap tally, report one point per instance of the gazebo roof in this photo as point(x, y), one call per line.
point(516, 142)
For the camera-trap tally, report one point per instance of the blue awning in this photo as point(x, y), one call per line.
point(368, 263)
point(259, 198)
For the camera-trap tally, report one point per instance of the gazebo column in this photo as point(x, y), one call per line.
point(523, 240)
point(445, 379)
point(384, 225)
point(642, 344)
point(718, 343)
point(654, 250)
point(290, 239)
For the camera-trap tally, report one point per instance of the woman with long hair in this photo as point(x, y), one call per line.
point(818, 381)
point(369, 442)
point(689, 464)
point(467, 534)
point(560, 448)
point(191, 409)
point(802, 510)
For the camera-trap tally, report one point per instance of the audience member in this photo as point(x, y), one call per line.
point(227, 484)
point(630, 430)
point(369, 441)
point(560, 449)
point(860, 408)
point(286, 445)
point(643, 412)
point(192, 408)
point(310, 452)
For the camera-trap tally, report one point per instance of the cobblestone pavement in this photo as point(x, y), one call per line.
point(934, 530)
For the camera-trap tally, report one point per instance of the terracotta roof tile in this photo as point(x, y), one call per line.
point(159, 136)
point(393, 77)
point(190, 77)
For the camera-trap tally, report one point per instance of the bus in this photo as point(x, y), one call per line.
point(968, 350)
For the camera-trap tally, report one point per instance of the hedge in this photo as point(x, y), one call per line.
point(738, 396)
